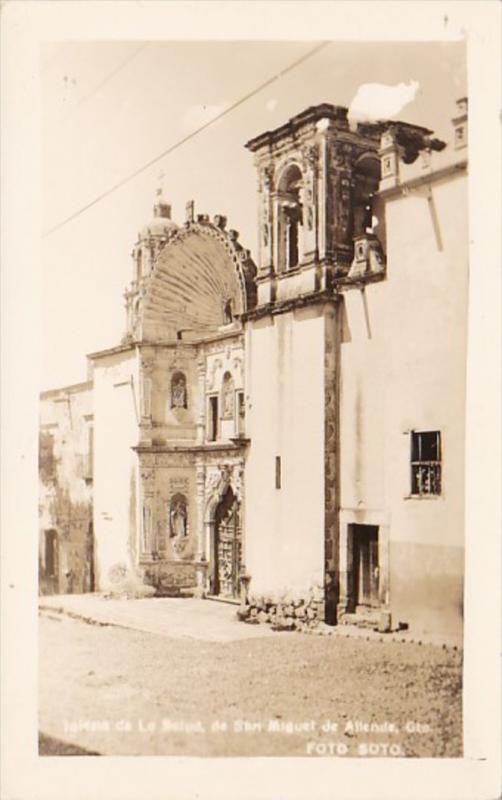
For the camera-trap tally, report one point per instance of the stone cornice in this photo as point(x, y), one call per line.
point(422, 180)
point(221, 337)
point(282, 307)
point(235, 446)
point(338, 114)
point(111, 351)
point(197, 344)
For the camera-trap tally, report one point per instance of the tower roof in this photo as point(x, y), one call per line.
point(161, 224)
point(338, 115)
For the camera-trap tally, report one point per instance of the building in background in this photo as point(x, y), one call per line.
point(293, 430)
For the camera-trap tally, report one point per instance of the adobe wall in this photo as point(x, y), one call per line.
point(65, 489)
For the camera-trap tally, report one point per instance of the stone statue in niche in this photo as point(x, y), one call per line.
point(227, 397)
point(178, 517)
point(228, 314)
point(178, 391)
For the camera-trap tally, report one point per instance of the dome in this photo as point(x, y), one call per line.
point(161, 225)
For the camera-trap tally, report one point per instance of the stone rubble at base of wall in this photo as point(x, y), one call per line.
point(285, 614)
point(307, 616)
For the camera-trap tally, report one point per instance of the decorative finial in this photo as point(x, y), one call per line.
point(190, 211)
point(161, 177)
point(161, 208)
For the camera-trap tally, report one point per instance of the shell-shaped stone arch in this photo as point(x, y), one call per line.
point(199, 273)
point(288, 171)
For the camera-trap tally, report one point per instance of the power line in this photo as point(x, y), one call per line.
point(114, 72)
point(189, 136)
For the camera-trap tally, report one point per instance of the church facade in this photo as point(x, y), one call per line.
point(290, 426)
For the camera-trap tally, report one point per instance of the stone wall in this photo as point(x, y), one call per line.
point(66, 541)
point(286, 612)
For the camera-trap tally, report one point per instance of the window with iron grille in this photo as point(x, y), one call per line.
point(425, 463)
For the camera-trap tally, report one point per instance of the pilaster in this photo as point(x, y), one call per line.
point(310, 206)
point(331, 460)
point(147, 494)
point(201, 399)
point(146, 389)
point(389, 158)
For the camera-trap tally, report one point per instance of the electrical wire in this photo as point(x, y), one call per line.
point(187, 138)
point(112, 74)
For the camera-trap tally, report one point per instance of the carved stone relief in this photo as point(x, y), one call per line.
point(219, 477)
point(148, 478)
point(237, 367)
point(216, 366)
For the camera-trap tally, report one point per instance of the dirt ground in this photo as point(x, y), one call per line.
point(114, 691)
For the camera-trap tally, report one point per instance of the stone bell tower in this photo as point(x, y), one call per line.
point(316, 183)
point(151, 239)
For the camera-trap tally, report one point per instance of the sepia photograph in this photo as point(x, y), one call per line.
point(251, 504)
point(252, 399)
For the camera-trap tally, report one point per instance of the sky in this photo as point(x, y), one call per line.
point(108, 108)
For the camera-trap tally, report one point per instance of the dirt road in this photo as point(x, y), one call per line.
point(115, 691)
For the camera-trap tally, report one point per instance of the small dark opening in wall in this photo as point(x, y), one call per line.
point(293, 253)
point(51, 553)
point(213, 418)
point(277, 472)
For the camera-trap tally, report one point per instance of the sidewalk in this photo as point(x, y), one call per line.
point(205, 620)
point(190, 618)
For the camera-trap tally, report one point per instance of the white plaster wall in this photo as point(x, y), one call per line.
point(284, 528)
point(116, 404)
point(403, 356)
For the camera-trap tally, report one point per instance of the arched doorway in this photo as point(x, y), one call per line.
point(226, 547)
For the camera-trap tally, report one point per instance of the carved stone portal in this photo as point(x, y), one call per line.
point(226, 560)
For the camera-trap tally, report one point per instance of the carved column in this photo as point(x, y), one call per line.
point(146, 384)
point(239, 491)
point(148, 547)
point(276, 227)
point(128, 310)
point(151, 257)
point(342, 195)
point(201, 555)
point(201, 399)
point(266, 231)
point(309, 202)
point(322, 193)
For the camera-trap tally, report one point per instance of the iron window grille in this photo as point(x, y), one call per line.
point(425, 463)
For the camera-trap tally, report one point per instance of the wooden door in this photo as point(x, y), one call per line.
point(227, 548)
point(366, 566)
